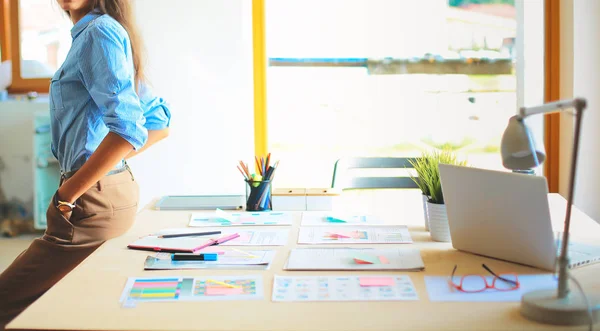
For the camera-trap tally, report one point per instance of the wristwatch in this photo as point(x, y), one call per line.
point(64, 206)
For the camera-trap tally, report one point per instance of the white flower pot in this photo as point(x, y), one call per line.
point(425, 214)
point(438, 222)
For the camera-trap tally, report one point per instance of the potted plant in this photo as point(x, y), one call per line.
point(422, 168)
point(436, 209)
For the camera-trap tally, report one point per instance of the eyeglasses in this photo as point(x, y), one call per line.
point(479, 283)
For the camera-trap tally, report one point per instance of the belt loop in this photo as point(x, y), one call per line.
point(99, 185)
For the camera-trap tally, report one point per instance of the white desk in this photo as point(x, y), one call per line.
point(73, 305)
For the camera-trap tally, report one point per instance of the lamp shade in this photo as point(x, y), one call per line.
point(518, 146)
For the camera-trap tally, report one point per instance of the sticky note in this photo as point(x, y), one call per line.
point(223, 216)
point(376, 281)
point(383, 259)
point(332, 219)
point(337, 235)
point(357, 261)
point(220, 290)
point(360, 258)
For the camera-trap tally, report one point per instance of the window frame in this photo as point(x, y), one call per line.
point(4, 31)
point(13, 36)
point(259, 53)
point(552, 130)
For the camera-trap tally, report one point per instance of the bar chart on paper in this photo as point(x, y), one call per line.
point(152, 289)
point(156, 289)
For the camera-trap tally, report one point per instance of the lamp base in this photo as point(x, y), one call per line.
point(544, 306)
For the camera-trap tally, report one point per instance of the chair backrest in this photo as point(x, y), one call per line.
point(343, 179)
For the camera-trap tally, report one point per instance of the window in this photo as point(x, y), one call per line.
point(388, 78)
point(37, 33)
point(45, 37)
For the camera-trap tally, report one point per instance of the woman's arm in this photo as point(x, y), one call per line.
point(157, 114)
point(108, 154)
point(154, 136)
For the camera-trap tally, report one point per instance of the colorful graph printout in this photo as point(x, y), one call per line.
point(155, 289)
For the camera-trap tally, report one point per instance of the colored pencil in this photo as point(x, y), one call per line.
point(242, 172)
point(268, 160)
point(258, 165)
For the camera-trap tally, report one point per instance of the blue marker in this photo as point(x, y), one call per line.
point(194, 257)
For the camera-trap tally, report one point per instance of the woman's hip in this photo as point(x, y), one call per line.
point(105, 211)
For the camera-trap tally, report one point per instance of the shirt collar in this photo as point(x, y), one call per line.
point(83, 23)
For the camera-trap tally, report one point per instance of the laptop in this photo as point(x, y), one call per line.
point(506, 216)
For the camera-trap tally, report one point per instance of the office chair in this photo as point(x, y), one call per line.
point(348, 181)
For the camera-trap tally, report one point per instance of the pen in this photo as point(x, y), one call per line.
point(176, 235)
point(194, 257)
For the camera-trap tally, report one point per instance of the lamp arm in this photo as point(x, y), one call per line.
point(551, 107)
point(563, 259)
point(579, 104)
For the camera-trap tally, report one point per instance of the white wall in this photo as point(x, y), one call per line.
point(200, 60)
point(586, 83)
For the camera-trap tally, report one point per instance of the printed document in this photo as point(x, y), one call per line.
point(404, 258)
point(354, 235)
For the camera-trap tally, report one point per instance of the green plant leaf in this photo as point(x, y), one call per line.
point(427, 168)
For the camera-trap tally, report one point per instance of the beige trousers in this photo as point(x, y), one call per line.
point(105, 211)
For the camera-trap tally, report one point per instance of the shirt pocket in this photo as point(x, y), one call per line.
point(56, 101)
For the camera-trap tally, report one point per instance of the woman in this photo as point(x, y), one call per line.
point(101, 114)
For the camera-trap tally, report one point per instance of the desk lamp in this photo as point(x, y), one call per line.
point(519, 151)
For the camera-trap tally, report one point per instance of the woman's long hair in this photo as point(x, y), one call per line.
point(122, 12)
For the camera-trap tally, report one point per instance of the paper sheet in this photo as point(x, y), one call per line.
point(222, 218)
point(320, 218)
point(344, 288)
point(255, 237)
point(439, 289)
point(230, 259)
point(160, 289)
point(354, 235)
point(405, 258)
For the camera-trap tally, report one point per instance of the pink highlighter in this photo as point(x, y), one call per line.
point(213, 242)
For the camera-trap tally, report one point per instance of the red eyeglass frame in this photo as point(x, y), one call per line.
point(487, 285)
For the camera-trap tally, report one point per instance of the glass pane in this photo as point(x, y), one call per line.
point(45, 37)
point(473, 283)
point(387, 78)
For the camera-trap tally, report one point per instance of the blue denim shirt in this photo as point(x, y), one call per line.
point(93, 93)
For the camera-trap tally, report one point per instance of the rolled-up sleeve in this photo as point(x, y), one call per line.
point(156, 110)
point(106, 68)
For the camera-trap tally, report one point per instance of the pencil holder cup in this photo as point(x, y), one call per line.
point(258, 195)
